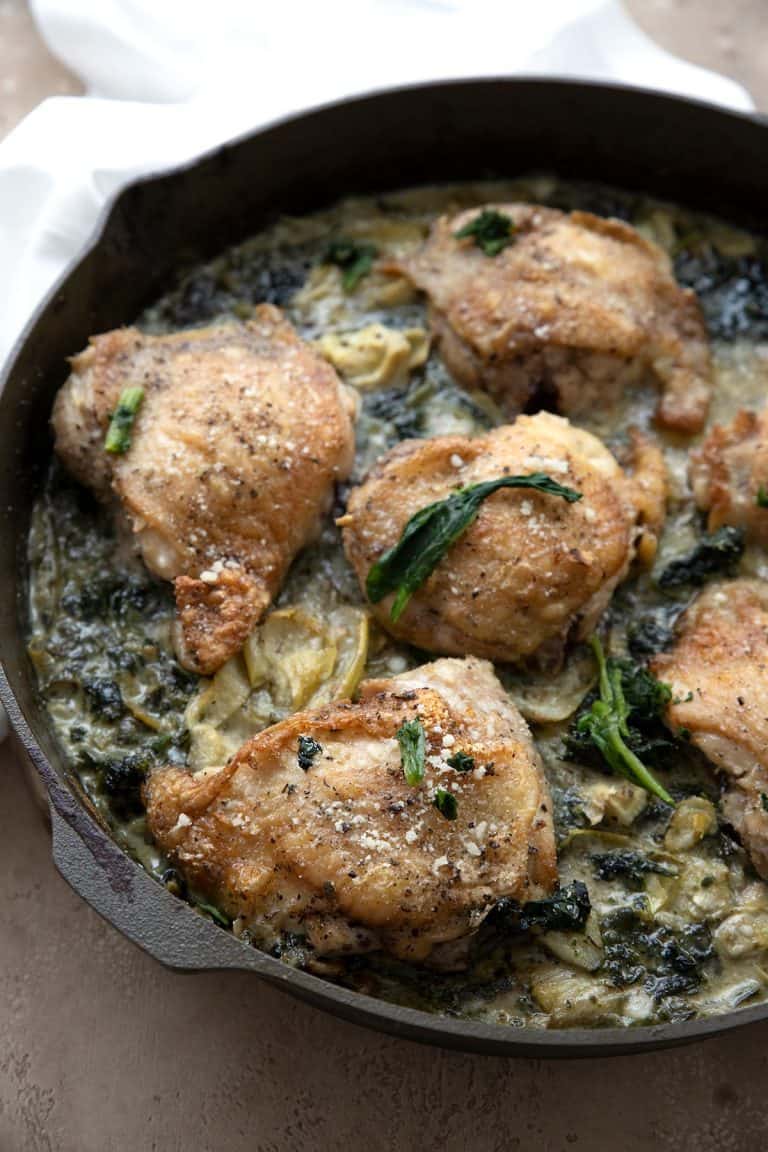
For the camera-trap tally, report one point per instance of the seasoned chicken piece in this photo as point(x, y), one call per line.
point(718, 672)
point(241, 435)
point(729, 472)
point(313, 828)
point(574, 310)
point(532, 572)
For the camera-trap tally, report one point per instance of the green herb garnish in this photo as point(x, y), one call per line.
point(214, 913)
point(606, 723)
point(646, 696)
point(629, 865)
point(118, 438)
point(764, 801)
point(566, 910)
point(308, 749)
point(461, 762)
point(354, 260)
point(641, 952)
point(715, 552)
point(431, 531)
point(762, 497)
point(446, 804)
point(492, 231)
point(410, 737)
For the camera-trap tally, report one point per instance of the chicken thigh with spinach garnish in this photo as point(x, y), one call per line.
point(222, 450)
point(526, 569)
point(568, 310)
point(396, 822)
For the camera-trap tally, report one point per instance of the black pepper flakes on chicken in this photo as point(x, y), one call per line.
point(345, 850)
point(242, 433)
point(571, 312)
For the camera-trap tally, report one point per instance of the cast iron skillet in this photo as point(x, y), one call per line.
point(690, 152)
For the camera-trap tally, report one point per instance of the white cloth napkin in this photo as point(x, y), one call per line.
point(167, 81)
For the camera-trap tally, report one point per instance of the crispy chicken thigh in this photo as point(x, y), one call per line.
point(341, 847)
point(241, 435)
point(729, 471)
point(718, 672)
point(532, 571)
point(574, 310)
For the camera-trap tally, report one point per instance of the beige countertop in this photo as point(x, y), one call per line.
point(102, 1050)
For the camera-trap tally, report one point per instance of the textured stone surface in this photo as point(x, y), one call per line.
point(730, 38)
point(28, 72)
point(101, 1050)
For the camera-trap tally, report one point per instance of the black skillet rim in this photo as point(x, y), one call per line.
point(124, 894)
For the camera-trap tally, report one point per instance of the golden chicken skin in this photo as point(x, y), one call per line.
point(566, 312)
point(718, 673)
point(533, 571)
point(395, 822)
point(729, 475)
point(240, 433)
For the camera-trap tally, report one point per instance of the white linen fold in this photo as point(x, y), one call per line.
point(169, 81)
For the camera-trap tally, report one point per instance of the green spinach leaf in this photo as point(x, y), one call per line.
point(490, 230)
point(410, 737)
point(431, 531)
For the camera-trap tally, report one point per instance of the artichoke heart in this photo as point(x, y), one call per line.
point(292, 653)
point(293, 660)
point(375, 356)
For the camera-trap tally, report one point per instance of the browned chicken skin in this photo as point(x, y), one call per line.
point(241, 435)
point(532, 571)
point(729, 471)
point(346, 850)
point(574, 310)
point(718, 672)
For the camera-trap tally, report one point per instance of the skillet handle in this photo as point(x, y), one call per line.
point(133, 902)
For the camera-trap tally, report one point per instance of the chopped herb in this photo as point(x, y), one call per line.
point(637, 948)
point(631, 866)
point(606, 722)
point(431, 531)
point(764, 801)
point(308, 750)
point(654, 631)
point(354, 260)
point(646, 696)
point(118, 438)
point(762, 497)
point(568, 812)
point(567, 910)
point(446, 803)
point(461, 762)
point(492, 231)
point(214, 913)
point(104, 697)
point(121, 780)
point(410, 737)
point(716, 552)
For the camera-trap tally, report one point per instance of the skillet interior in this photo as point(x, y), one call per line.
point(697, 155)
